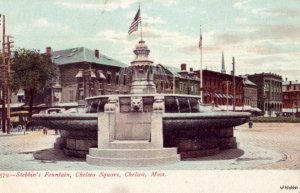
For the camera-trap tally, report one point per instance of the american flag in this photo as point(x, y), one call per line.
point(135, 23)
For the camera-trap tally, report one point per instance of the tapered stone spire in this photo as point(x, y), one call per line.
point(142, 77)
point(223, 64)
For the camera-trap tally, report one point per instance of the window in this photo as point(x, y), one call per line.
point(171, 104)
point(108, 78)
point(124, 80)
point(57, 96)
point(181, 86)
point(117, 78)
point(81, 95)
point(71, 95)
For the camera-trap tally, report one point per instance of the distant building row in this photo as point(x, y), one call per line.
point(84, 73)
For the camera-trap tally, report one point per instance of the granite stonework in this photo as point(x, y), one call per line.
point(136, 140)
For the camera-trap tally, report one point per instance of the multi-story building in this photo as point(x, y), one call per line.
point(250, 93)
point(83, 73)
point(186, 82)
point(291, 94)
point(269, 91)
point(218, 88)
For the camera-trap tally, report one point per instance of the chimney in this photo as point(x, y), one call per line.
point(48, 51)
point(96, 53)
point(191, 70)
point(183, 67)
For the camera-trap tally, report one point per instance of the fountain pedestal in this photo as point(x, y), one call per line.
point(136, 140)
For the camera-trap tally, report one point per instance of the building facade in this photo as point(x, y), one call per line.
point(218, 88)
point(250, 93)
point(290, 94)
point(83, 73)
point(269, 91)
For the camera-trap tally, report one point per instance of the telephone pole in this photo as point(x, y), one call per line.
point(3, 77)
point(233, 76)
point(9, 46)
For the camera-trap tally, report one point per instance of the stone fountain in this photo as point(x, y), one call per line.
point(143, 127)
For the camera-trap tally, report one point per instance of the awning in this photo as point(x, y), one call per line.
point(79, 74)
point(21, 92)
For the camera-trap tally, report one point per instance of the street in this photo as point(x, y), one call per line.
point(265, 146)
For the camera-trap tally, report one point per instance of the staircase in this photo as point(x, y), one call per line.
point(131, 153)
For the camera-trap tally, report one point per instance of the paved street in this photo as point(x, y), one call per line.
point(265, 146)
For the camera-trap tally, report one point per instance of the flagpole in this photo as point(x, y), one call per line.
point(201, 76)
point(141, 21)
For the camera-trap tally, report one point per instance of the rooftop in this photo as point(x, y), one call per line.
point(248, 82)
point(82, 54)
point(290, 82)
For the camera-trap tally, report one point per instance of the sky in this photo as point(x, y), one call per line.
point(262, 35)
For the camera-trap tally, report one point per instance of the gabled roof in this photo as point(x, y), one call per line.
point(82, 54)
point(174, 71)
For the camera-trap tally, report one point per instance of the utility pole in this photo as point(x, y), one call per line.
point(3, 78)
point(9, 46)
point(233, 76)
point(227, 89)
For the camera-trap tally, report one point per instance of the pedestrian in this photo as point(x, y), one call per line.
point(250, 123)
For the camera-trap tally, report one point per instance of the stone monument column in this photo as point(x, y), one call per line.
point(142, 80)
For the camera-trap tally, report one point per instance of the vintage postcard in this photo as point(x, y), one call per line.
point(125, 96)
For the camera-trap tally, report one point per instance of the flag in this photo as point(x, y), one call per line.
point(135, 23)
point(200, 41)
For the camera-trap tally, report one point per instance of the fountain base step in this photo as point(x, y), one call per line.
point(129, 161)
point(130, 144)
point(133, 153)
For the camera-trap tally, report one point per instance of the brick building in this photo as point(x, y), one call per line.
point(269, 91)
point(218, 88)
point(290, 94)
point(83, 73)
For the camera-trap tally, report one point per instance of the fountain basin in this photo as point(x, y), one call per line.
point(194, 130)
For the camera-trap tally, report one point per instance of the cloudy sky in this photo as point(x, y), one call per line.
point(262, 35)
